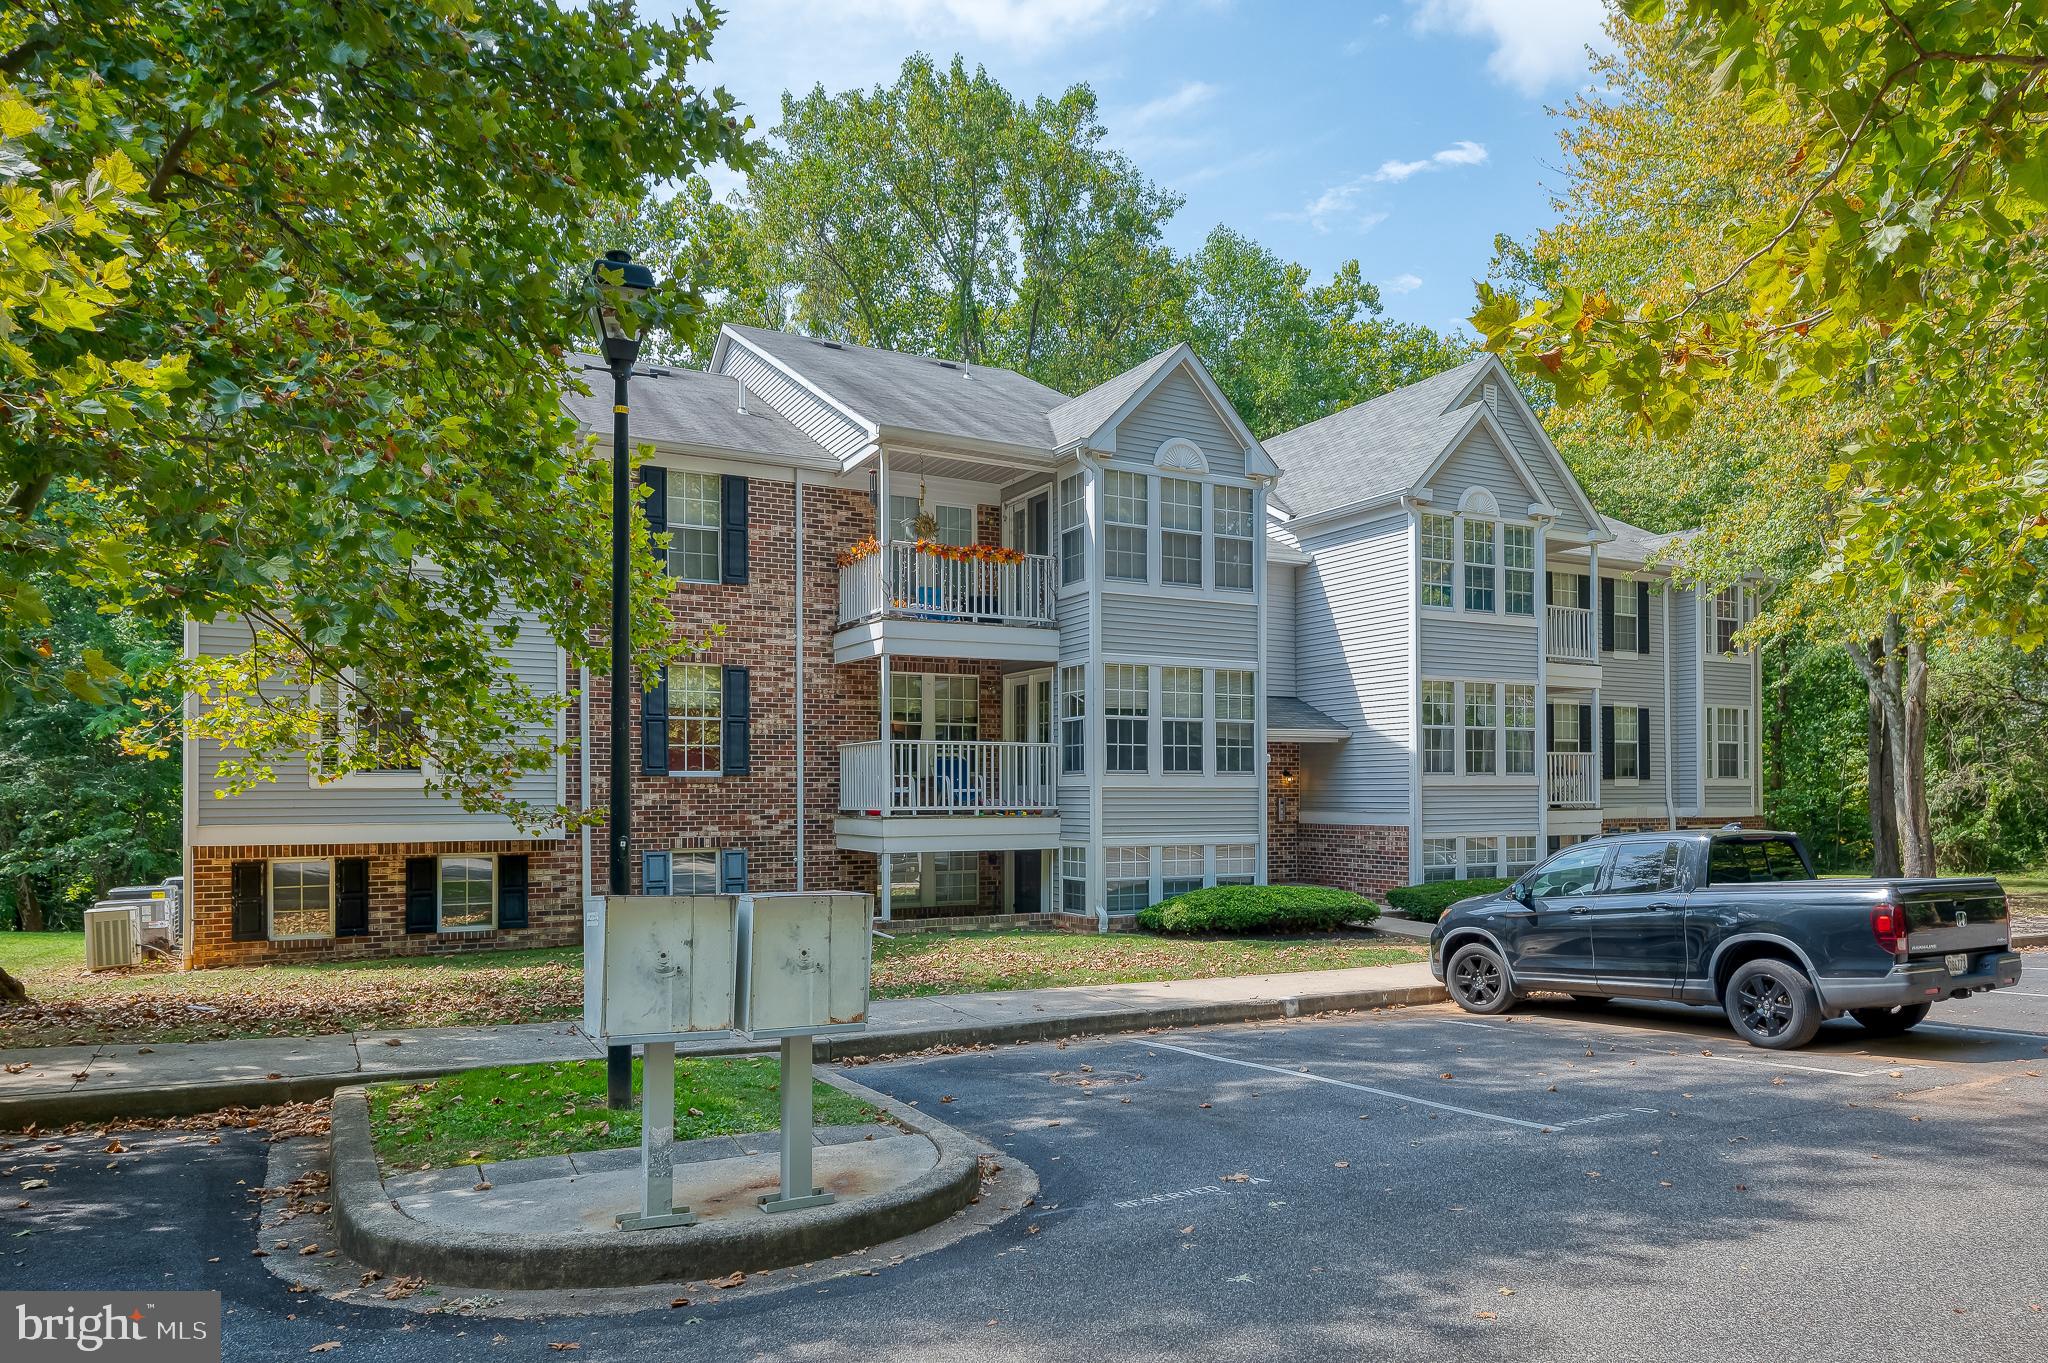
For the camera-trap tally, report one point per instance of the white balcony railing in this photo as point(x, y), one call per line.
point(1574, 781)
point(899, 581)
point(1571, 635)
point(935, 776)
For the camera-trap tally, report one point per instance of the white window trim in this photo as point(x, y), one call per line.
point(1461, 853)
point(1154, 583)
point(466, 928)
point(1500, 613)
point(668, 681)
point(1743, 739)
point(927, 705)
point(1634, 716)
point(1499, 775)
point(928, 881)
point(345, 726)
point(1624, 589)
point(270, 899)
point(716, 528)
point(1155, 773)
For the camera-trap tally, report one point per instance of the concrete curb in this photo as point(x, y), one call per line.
point(2030, 939)
point(177, 1100)
point(372, 1230)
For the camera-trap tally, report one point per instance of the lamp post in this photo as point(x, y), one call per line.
point(617, 284)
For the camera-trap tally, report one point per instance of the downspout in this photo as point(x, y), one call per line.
point(1670, 720)
point(797, 482)
point(583, 776)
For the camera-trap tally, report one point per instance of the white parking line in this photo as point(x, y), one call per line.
point(1622, 1030)
point(1346, 1084)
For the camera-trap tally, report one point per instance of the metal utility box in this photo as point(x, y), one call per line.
point(657, 967)
point(804, 961)
point(109, 936)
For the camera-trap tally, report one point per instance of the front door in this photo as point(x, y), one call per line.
point(1555, 941)
point(1027, 871)
point(1638, 921)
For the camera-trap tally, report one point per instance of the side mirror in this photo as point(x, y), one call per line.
point(1519, 891)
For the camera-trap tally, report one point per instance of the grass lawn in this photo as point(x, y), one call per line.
point(917, 964)
point(523, 1111)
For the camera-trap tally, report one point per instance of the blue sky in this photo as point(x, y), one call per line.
point(1402, 132)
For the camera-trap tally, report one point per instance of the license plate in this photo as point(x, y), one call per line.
point(1958, 964)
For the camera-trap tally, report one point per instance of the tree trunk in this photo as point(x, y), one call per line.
point(11, 990)
point(1884, 823)
point(28, 909)
point(1895, 668)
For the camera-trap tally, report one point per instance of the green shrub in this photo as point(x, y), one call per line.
point(1428, 902)
point(1258, 908)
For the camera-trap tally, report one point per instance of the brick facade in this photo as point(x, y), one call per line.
point(1652, 824)
point(1368, 858)
point(1283, 814)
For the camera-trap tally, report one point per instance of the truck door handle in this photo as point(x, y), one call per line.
point(1660, 905)
point(1580, 908)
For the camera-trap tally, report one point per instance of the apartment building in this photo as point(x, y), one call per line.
point(985, 648)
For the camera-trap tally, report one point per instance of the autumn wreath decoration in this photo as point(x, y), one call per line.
point(950, 553)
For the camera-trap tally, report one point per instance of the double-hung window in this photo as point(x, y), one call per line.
point(1126, 706)
point(1439, 728)
point(1564, 728)
point(1439, 859)
point(1180, 719)
point(1180, 532)
point(696, 705)
point(1480, 718)
point(1727, 618)
point(1479, 566)
point(1127, 877)
point(955, 878)
point(1180, 870)
point(1073, 722)
point(1518, 711)
point(1482, 858)
point(1236, 863)
point(693, 526)
point(1233, 527)
point(1124, 521)
point(1074, 880)
point(956, 523)
point(1521, 853)
point(1439, 547)
point(301, 900)
point(1073, 530)
point(1626, 621)
point(1234, 711)
point(1518, 565)
point(1627, 737)
point(1729, 726)
point(469, 898)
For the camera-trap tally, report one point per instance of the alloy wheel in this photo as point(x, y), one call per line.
point(1765, 1004)
point(1478, 979)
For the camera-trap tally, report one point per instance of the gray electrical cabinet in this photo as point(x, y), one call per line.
point(804, 961)
point(658, 967)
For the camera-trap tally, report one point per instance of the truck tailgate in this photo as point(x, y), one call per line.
point(1944, 916)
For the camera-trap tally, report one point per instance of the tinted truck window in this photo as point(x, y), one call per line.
point(1746, 861)
point(1643, 868)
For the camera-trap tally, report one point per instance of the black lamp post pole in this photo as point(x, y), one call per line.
point(618, 1060)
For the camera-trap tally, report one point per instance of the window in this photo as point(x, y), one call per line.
point(1479, 566)
point(1480, 717)
point(956, 523)
point(1180, 719)
point(1518, 709)
point(1074, 879)
point(955, 878)
point(468, 893)
point(1564, 728)
point(1626, 622)
point(1180, 870)
point(1627, 736)
point(1127, 878)
point(1233, 722)
point(696, 705)
point(1073, 721)
point(1236, 863)
point(693, 526)
point(1518, 561)
point(1124, 520)
point(1125, 705)
point(1439, 859)
point(1729, 727)
point(1482, 858)
point(1439, 728)
point(906, 706)
point(1739, 861)
point(1073, 531)
point(1180, 532)
point(301, 900)
point(1439, 544)
point(1233, 523)
point(1521, 853)
point(1643, 868)
point(1570, 873)
point(391, 743)
point(956, 712)
point(695, 872)
point(1727, 618)
point(906, 879)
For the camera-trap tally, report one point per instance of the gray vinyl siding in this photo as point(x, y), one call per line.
point(1632, 678)
point(1455, 807)
point(1210, 812)
point(1074, 812)
point(1731, 797)
point(1728, 682)
point(818, 420)
point(1685, 697)
point(1166, 627)
point(1280, 671)
point(1479, 461)
point(1455, 646)
point(1351, 650)
point(293, 799)
point(1553, 479)
point(1073, 615)
point(1177, 407)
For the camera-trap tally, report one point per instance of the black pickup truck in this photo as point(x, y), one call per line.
point(1733, 919)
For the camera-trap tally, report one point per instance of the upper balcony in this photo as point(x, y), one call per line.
point(926, 600)
point(1571, 635)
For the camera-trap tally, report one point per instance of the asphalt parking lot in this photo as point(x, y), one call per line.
point(1626, 1183)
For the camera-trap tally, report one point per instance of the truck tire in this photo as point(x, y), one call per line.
point(1771, 1004)
point(1890, 1021)
point(1477, 979)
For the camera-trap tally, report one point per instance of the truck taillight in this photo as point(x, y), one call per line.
point(1888, 925)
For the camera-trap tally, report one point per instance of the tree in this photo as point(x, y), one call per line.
point(279, 314)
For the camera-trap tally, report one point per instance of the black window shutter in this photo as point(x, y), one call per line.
point(421, 893)
point(1585, 728)
point(1607, 742)
point(512, 873)
point(1607, 615)
point(732, 871)
point(654, 724)
point(1643, 616)
point(732, 551)
point(1550, 727)
point(352, 897)
point(738, 755)
point(1585, 591)
point(1643, 742)
point(654, 501)
point(245, 887)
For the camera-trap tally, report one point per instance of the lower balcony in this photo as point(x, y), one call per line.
point(1573, 781)
point(940, 795)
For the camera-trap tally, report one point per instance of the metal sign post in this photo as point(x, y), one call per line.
point(657, 1144)
point(798, 1189)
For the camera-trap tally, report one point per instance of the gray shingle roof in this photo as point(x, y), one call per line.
point(1634, 545)
point(1285, 714)
point(917, 392)
point(691, 408)
point(1380, 446)
point(1079, 418)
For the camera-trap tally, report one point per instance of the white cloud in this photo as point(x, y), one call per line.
point(1190, 96)
point(1536, 43)
point(1405, 282)
point(1340, 199)
point(1457, 154)
point(1026, 25)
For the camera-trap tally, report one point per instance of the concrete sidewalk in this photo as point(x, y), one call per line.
point(58, 1084)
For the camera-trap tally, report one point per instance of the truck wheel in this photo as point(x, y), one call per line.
point(1771, 1004)
point(1478, 980)
point(1890, 1021)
